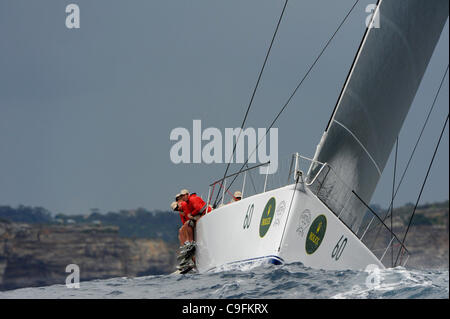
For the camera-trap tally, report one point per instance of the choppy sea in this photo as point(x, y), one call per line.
point(289, 281)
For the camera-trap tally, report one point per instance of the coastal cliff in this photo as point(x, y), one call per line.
point(36, 247)
point(427, 239)
point(37, 255)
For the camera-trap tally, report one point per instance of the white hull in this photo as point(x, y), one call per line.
point(296, 227)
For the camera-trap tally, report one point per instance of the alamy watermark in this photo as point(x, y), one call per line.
point(189, 148)
point(373, 280)
point(73, 17)
point(73, 280)
point(373, 19)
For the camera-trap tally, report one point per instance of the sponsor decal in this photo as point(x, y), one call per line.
point(279, 213)
point(316, 234)
point(267, 217)
point(304, 222)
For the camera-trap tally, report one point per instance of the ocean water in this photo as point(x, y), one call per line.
point(288, 281)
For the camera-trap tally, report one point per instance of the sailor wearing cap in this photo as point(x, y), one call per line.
point(174, 206)
point(184, 195)
point(185, 233)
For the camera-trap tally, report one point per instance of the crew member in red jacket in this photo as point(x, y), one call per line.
point(197, 205)
point(190, 207)
point(186, 232)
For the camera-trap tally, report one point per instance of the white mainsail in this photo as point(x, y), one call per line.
point(374, 102)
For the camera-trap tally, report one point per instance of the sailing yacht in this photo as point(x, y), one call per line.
point(321, 216)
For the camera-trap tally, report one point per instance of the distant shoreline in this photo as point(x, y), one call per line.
point(35, 247)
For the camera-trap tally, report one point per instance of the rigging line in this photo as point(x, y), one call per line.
point(375, 215)
point(358, 52)
point(251, 180)
point(254, 90)
point(413, 151)
point(420, 136)
point(312, 65)
point(392, 206)
point(301, 82)
point(423, 185)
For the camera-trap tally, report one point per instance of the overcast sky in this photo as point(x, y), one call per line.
point(86, 114)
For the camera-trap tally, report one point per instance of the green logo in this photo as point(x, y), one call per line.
point(267, 217)
point(315, 234)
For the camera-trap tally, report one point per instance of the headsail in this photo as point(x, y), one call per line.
point(374, 102)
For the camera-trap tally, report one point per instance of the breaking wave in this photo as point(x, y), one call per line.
point(258, 281)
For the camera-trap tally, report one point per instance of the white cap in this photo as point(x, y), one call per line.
point(177, 195)
point(237, 194)
point(184, 192)
point(174, 205)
